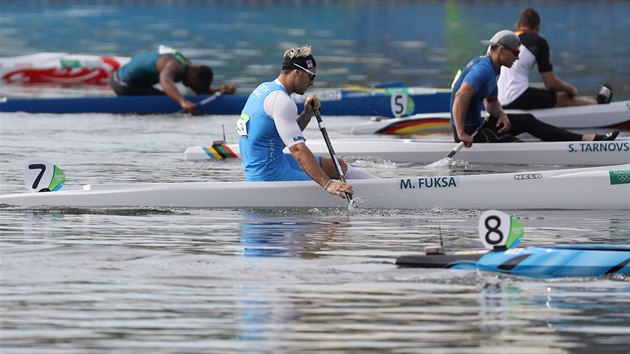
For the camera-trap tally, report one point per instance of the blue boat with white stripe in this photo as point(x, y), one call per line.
point(546, 261)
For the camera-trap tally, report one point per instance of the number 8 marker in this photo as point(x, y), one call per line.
point(43, 176)
point(499, 230)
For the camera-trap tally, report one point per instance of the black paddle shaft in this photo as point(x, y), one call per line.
point(333, 156)
point(205, 101)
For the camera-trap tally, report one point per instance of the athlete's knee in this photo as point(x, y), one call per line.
point(530, 117)
point(344, 166)
point(563, 99)
point(328, 165)
point(355, 173)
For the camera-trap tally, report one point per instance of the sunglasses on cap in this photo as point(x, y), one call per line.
point(311, 74)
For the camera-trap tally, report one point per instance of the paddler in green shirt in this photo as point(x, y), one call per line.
point(165, 66)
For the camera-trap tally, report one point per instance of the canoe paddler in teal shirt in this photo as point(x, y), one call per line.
point(165, 66)
point(270, 122)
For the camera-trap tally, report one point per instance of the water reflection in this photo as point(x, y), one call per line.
point(266, 234)
point(508, 308)
point(469, 311)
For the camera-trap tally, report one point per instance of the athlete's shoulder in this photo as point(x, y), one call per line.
point(483, 65)
point(533, 39)
point(266, 87)
point(474, 61)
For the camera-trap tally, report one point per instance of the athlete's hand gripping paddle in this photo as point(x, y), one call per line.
point(461, 144)
point(447, 160)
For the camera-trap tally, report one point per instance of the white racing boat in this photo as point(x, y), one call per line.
point(615, 115)
point(574, 153)
point(582, 188)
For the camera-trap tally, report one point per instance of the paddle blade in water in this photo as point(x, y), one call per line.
point(448, 163)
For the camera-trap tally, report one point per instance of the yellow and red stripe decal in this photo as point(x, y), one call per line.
point(418, 127)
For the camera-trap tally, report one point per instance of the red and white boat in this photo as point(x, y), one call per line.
point(59, 69)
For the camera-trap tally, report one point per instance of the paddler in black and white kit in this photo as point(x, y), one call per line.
point(270, 122)
point(514, 89)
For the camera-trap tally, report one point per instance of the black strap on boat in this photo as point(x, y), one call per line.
point(618, 267)
point(513, 262)
point(438, 260)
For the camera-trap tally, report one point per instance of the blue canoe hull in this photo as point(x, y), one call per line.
point(344, 103)
point(538, 262)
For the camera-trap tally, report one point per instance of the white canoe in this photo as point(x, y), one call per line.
point(614, 115)
point(575, 153)
point(584, 188)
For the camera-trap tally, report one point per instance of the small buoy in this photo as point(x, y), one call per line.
point(433, 250)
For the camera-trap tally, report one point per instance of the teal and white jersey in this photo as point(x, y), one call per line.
point(141, 70)
point(267, 125)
